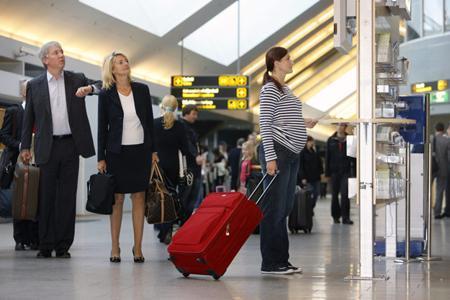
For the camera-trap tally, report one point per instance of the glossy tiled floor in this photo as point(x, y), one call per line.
point(327, 256)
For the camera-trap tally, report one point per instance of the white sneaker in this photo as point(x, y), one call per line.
point(296, 269)
point(278, 271)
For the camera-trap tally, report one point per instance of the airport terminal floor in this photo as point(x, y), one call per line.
point(327, 255)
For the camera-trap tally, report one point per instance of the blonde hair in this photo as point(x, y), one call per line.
point(107, 70)
point(250, 147)
point(169, 105)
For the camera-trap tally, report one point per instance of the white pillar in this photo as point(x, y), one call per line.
point(366, 103)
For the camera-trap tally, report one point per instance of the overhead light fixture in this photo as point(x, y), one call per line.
point(292, 38)
point(307, 80)
point(73, 52)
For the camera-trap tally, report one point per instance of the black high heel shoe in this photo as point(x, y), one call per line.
point(137, 259)
point(115, 259)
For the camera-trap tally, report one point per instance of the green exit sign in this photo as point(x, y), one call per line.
point(439, 97)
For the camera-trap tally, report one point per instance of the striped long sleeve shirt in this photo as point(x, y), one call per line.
point(281, 120)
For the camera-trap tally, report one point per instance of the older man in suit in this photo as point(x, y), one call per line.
point(56, 110)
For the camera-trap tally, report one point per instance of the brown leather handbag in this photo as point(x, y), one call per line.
point(26, 192)
point(160, 206)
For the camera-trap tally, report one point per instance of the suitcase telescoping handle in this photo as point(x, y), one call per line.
point(266, 189)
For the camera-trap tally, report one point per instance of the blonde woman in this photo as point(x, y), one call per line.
point(125, 145)
point(170, 137)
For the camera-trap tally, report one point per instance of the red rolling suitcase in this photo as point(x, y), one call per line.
point(210, 239)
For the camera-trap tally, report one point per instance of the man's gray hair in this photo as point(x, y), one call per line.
point(43, 52)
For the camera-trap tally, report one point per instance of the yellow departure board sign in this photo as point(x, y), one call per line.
point(211, 92)
point(430, 86)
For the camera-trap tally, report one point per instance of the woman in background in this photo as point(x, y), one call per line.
point(170, 137)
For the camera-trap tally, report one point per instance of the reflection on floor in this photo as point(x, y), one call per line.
point(327, 255)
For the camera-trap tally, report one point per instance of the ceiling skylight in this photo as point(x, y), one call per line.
point(154, 16)
point(217, 39)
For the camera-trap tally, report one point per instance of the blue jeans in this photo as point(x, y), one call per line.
point(276, 207)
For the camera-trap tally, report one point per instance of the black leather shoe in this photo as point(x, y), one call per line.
point(64, 254)
point(441, 216)
point(347, 222)
point(20, 247)
point(44, 254)
point(336, 221)
point(34, 246)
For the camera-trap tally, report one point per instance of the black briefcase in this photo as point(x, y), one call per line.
point(100, 194)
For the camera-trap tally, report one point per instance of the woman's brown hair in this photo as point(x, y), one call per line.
point(274, 54)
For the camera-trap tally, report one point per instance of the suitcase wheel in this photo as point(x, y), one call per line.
point(213, 274)
point(186, 275)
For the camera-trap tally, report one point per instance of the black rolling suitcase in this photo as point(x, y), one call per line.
point(301, 216)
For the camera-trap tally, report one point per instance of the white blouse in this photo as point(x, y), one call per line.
point(133, 132)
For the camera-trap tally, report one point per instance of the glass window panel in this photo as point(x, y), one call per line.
point(414, 26)
point(157, 17)
point(433, 17)
point(217, 39)
point(447, 15)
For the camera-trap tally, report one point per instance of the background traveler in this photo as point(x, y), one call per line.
point(170, 137)
point(194, 159)
point(339, 167)
point(441, 149)
point(25, 232)
point(311, 168)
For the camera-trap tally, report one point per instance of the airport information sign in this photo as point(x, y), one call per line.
point(211, 92)
point(426, 87)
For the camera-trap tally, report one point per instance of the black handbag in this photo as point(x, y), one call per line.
point(6, 168)
point(100, 193)
point(160, 203)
